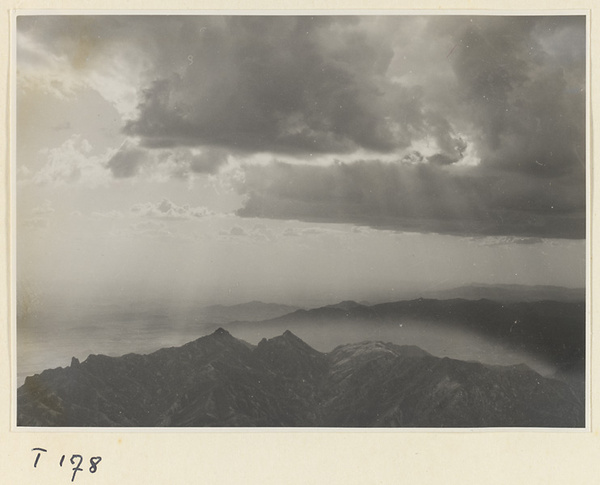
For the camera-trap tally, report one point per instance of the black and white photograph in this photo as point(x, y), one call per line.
point(332, 221)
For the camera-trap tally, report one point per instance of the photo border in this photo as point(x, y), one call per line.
point(299, 435)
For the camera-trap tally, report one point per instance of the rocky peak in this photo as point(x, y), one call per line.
point(221, 332)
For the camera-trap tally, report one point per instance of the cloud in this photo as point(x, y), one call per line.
point(301, 85)
point(126, 161)
point(184, 162)
point(113, 214)
point(166, 209)
point(257, 233)
point(510, 240)
point(293, 232)
point(72, 162)
point(279, 84)
point(520, 102)
point(64, 54)
point(152, 229)
point(237, 231)
point(453, 124)
point(419, 198)
point(131, 160)
point(514, 87)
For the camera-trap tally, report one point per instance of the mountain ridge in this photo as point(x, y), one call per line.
point(554, 330)
point(219, 380)
point(510, 292)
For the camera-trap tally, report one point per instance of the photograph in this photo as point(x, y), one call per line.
point(326, 221)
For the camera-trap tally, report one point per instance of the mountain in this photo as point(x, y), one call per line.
point(508, 293)
point(249, 312)
point(387, 386)
point(219, 380)
point(552, 330)
point(347, 305)
point(346, 310)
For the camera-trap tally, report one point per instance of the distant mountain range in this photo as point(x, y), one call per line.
point(218, 380)
point(511, 293)
point(552, 330)
point(255, 311)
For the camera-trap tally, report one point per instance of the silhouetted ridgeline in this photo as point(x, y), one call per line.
point(553, 330)
point(219, 380)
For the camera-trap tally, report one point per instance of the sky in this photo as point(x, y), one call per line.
point(298, 159)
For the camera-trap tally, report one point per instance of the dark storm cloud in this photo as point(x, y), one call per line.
point(515, 95)
point(513, 87)
point(208, 161)
point(485, 113)
point(519, 95)
point(294, 85)
point(130, 159)
point(420, 198)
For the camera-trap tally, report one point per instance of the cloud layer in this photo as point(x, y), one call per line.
point(468, 125)
point(416, 198)
point(287, 85)
point(166, 209)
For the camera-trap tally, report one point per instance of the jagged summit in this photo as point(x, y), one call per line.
point(220, 337)
point(289, 341)
point(287, 335)
point(291, 337)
